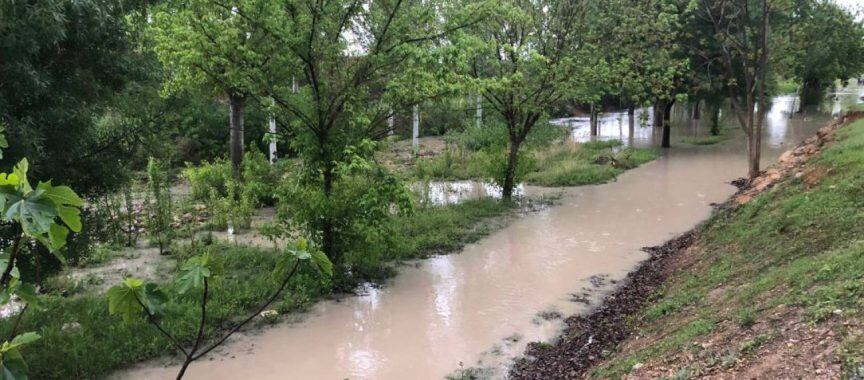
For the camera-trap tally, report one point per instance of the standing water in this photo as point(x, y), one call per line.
point(481, 307)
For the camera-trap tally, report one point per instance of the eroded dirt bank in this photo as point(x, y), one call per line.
point(635, 332)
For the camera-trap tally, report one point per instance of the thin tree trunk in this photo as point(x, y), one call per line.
point(631, 124)
point(714, 112)
point(415, 129)
point(593, 120)
point(810, 94)
point(667, 126)
point(510, 173)
point(762, 77)
point(697, 113)
point(658, 114)
point(237, 107)
point(327, 237)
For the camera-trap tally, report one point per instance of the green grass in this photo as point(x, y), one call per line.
point(585, 164)
point(557, 164)
point(706, 140)
point(104, 344)
point(794, 245)
point(443, 229)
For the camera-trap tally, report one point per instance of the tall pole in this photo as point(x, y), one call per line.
point(478, 118)
point(272, 140)
point(391, 122)
point(272, 128)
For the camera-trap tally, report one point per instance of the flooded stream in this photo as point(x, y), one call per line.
point(481, 307)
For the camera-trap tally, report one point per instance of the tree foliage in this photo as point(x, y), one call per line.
point(822, 43)
point(63, 61)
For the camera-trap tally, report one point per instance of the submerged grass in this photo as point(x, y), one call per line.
point(798, 245)
point(706, 140)
point(554, 164)
point(81, 341)
point(584, 164)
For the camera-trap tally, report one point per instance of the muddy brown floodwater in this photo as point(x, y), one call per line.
point(479, 308)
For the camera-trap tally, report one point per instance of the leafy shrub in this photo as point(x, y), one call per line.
point(259, 178)
point(208, 177)
point(363, 198)
point(160, 208)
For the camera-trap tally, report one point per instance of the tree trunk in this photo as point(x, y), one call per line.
point(811, 94)
point(697, 113)
point(667, 127)
point(510, 173)
point(761, 98)
point(237, 107)
point(415, 129)
point(658, 114)
point(631, 124)
point(327, 237)
point(593, 120)
point(714, 112)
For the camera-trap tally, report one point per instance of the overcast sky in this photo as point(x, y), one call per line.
point(854, 5)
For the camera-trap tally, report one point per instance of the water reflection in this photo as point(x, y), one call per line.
point(638, 131)
point(453, 192)
point(612, 126)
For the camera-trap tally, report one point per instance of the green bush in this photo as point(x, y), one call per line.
point(208, 177)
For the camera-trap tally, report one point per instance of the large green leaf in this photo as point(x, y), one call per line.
point(13, 366)
point(193, 272)
point(61, 195)
point(322, 262)
point(27, 292)
point(154, 298)
point(25, 338)
point(57, 235)
point(20, 171)
point(124, 299)
point(71, 216)
point(34, 212)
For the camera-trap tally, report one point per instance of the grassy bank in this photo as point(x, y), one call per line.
point(550, 163)
point(81, 341)
point(773, 289)
point(585, 164)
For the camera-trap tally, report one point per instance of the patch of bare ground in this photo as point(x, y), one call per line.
point(783, 345)
point(400, 155)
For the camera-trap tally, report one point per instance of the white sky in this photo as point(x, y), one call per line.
point(854, 6)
